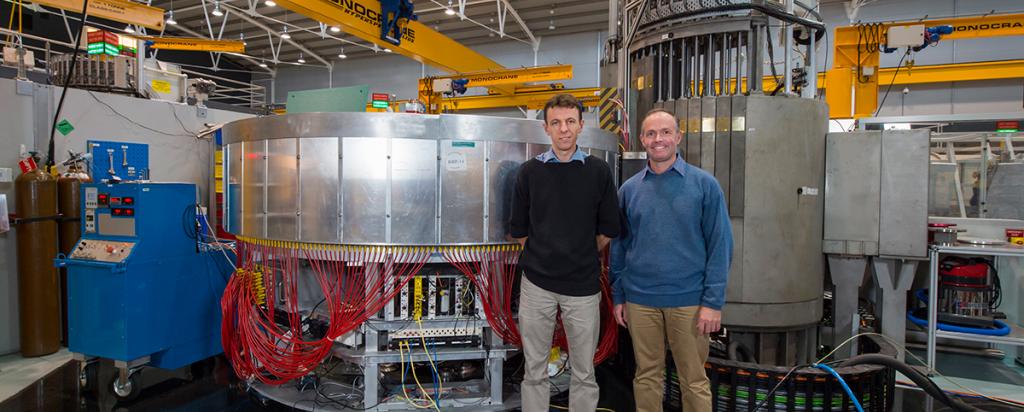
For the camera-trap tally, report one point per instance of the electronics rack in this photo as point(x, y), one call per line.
point(440, 306)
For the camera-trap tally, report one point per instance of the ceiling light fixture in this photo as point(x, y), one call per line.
point(301, 60)
point(269, 3)
point(449, 10)
point(335, 29)
point(551, 24)
point(387, 50)
point(284, 33)
point(216, 10)
point(129, 29)
point(170, 18)
point(263, 65)
point(342, 54)
point(241, 36)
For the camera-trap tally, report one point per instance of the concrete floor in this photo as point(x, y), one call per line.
point(214, 388)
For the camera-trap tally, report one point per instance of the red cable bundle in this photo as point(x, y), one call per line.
point(492, 269)
point(356, 282)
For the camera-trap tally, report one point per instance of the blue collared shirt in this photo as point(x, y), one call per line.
point(549, 156)
point(679, 166)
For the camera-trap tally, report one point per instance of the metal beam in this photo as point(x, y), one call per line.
point(526, 29)
point(589, 97)
point(241, 13)
point(419, 42)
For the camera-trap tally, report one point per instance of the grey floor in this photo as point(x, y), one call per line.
point(213, 387)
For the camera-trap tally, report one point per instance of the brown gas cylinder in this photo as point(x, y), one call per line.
point(69, 187)
point(38, 293)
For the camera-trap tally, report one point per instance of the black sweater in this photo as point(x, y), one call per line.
point(561, 208)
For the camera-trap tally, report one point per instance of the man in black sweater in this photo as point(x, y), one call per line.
point(564, 211)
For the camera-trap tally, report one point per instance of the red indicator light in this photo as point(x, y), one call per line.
point(128, 200)
point(116, 212)
point(115, 200)
point(129, 212)
point(102, 199)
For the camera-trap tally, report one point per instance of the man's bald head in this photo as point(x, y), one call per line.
point(657, 113)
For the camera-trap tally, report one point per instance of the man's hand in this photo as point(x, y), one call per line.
point(602, 242)
point(620, 314)
point(708, 320)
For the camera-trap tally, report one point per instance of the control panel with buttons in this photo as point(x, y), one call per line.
point(102, 250)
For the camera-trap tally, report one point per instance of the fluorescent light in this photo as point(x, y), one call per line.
point(269, 3)
point(335, 29)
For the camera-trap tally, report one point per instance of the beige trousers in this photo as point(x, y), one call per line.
point(581, 317)
point(649, 328)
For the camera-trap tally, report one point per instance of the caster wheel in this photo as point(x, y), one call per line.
point(88, 374)
point(126, 391)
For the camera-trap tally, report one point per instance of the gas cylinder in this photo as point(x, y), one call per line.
point(69, 186)
point(38, 291)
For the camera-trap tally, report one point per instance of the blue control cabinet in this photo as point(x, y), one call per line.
point(139, 284)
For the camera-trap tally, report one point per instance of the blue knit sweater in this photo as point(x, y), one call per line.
point(676, 246)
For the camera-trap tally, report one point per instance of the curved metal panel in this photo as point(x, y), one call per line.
point(387, 178)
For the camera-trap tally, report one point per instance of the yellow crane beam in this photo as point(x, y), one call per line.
point(123, 11)
point(431, 97)
point(855, 76)
point(533, 100)
point(361, 18)
point(195, 44)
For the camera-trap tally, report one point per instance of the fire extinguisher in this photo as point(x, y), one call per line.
point(38, 292)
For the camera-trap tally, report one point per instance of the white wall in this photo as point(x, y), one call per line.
point(174, 155)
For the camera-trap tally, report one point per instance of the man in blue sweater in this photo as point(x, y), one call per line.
point(670, 265)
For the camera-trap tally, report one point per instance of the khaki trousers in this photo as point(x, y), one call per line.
point(581, 319)
point(649, 328)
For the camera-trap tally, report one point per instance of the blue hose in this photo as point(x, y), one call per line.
point(1002, 329)
point(849, 392)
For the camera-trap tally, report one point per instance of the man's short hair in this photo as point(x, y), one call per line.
point(565, 100)
point(655, 111)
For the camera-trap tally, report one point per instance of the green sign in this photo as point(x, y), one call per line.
point(463, 144)
point(65, 127)
point(378, 104)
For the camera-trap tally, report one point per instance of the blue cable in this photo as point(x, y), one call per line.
point(437, 378)
point(1002, 329)
point(849, 392)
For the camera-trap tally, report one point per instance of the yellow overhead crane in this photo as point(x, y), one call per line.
point(506, 87)
point(855, 76)
point(433, 90)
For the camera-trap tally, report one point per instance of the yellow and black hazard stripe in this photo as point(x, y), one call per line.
point(608, 118)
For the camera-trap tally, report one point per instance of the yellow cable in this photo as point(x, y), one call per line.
point(401, 357)
point(433, 403)
point(440, 386)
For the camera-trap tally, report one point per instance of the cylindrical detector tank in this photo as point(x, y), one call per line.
point(767, 153)
point(38, 293)
point(69, 186)
point(381, 178)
